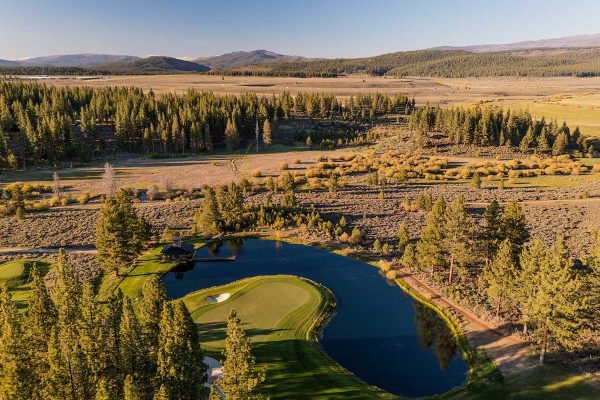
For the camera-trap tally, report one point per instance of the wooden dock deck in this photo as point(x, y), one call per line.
point(212, 259)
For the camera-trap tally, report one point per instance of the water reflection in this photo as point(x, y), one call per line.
point(377, 332)
point(434, 334)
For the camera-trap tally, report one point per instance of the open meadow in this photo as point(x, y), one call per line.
point(367, 188)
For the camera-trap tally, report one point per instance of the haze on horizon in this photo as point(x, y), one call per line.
point(336, 28)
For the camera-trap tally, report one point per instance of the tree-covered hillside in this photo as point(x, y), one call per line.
point(444, 63)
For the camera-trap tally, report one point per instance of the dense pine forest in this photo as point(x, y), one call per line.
point(49, 124)
point(443, 63)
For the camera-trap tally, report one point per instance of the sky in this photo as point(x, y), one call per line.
point(312, 28)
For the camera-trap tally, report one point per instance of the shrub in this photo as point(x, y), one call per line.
point(284, 166)
point(257, 173)
point(84, 198)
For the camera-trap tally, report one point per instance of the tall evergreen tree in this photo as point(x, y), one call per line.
point(267, 138)
point(208, 218)
point(120, 233)
point(560, 303)
point(430, 250)
point(240, 378)
point(514, 227)
point(15, 366)
point(459, 235)
point(492, 230)
point(500, 275)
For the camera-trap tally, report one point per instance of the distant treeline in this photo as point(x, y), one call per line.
point(40, 123)
point(491, 126)
point(443, 63)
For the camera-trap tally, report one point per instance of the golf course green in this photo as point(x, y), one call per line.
point(282, 315)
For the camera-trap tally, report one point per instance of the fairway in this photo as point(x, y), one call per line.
point(13, 272)
point(280, 315)
point(15, 275)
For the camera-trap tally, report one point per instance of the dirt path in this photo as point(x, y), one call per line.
point(46, 250)
point(509, 352)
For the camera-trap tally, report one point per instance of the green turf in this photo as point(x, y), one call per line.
point(148, 264)
point(12, 273)
point(280, 314)
point(16, 277)
point(552, 382)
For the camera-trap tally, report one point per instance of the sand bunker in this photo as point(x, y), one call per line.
point(218, 299)
point(215, 370)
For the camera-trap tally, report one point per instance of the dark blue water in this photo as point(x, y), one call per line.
point(379, 333)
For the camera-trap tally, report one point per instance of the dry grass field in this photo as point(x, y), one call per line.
point(432, 90)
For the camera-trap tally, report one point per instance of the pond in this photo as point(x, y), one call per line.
point(378, 332)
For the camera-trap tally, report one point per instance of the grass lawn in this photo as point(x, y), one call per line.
point(15, 274)
point(552, 382)
point(280, 315)
point(148, 264)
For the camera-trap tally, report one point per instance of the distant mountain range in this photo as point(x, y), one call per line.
point(242, 58)
point(570, 55)
point(76, 60)
point(555, 43)
point(154, 64)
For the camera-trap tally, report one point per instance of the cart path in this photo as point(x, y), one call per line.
point(509, 352)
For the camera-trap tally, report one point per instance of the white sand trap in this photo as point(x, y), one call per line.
point(215, 370)
point(218, 299)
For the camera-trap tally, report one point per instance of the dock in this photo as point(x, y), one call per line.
point(212, 259)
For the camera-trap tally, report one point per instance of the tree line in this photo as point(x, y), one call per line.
point(521, 279)
point(39, 123)
point(69, 345)
point(440, 63)
point(490, 126)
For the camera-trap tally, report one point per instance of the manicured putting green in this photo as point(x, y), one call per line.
point(13, 271)
point(280, 315)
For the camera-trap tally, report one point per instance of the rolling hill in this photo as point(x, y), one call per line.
point(554, 43)
point(149, 65)
point(580, 62)
point(243, 58)
point(75, 60)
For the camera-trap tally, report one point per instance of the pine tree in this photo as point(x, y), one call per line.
point(492, 230)
point(104, 391)
point(154, 297)
point(131, 389)
point(130, 342)
point(240, 378)
point(532, 259)
point(232, 136)
point(514, 227)
point(500, 275)
point(40, 319)
point(208, 218)
point(91, 338)
point(180, 366)
point(403, 237)
point(430, 250)
point(120, 233)
point(459, 235)
point(15, 379)
point(55, 381)
point(267, 138)
point(560, 304)
point(163, 394)
point(560, 145)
